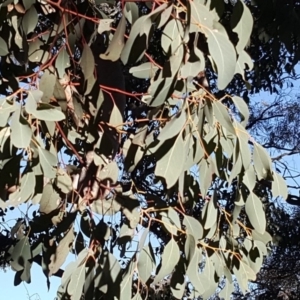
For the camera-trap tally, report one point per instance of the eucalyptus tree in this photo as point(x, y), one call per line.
point(167, 193)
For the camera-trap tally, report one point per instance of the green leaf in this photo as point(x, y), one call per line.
point(87, 62)
point(249, 178)
point(172, 36)
point(116, 118)
point(255, 213)
point(243, 275)
point(76, 283)
point(173, 127)
point(109, 171)
point(243, 27)
point(116, 45)
point(201, 16)
point(61, 253)
point(21, 254)
point(47, 112)
point(28, 3)
point(126, 284)
point(171, 220)
point(104, 25)
point(49, 200)
point(169, 260)
point(27, 186)
point(243, 109)
point(64, 181)
point(30, 20)
point(20, 130)
point(166, 166)
point(131, 12)
point(279, 187)
point(145, 265)
point(262, 162)
point(48, 162)
point(222, 116)
point(211, 212)
point(193, 227)
point(223, 54)
point(205, 175)
point(192, 272)
point(139, 35)
point(46, 85)
point(160, 90)
point(243, 137)
point(165, 15)
point(62, 62)
point(144, 71)
point(227, 290)
point(3, 47)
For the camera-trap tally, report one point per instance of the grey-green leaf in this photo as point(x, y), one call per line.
point(169, 260)
point(20, 130)
point(255, 213)
point(279, 187)
point(48, 162)
point(223, 54)
point(145, 264)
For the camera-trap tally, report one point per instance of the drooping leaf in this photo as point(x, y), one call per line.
point(200, 16)
point(116, 46)
point(169, 260)
point(30, 20)
point(279, 187)
point(27, 186)
point(87, 62)
point(61, 253)
point(48, 162)
point(173, 127)
point(242, 24)
point(126, 284)
point(3, 47)
point(62, 62)
point(46, 85)
point(243, 109)
point(63, 181)
point(20, 130)
point(146, 264)
point(116, 118)
point(211, 212)
point(222, 116)
point(139, 35)
point(171, 165)
point(255, 213)
point(20, 254)
point(76, 283)
point(223, 54)
point(262, 162)
point(193, 227)
point(49, 200)
point(193, 272)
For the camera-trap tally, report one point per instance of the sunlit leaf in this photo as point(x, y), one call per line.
point(223, 54)
point(169, 260)
point(255, 213)
point(145, 264)
point(20, 130)
point(87, 62)
point(48, 162)
point(279, 187)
